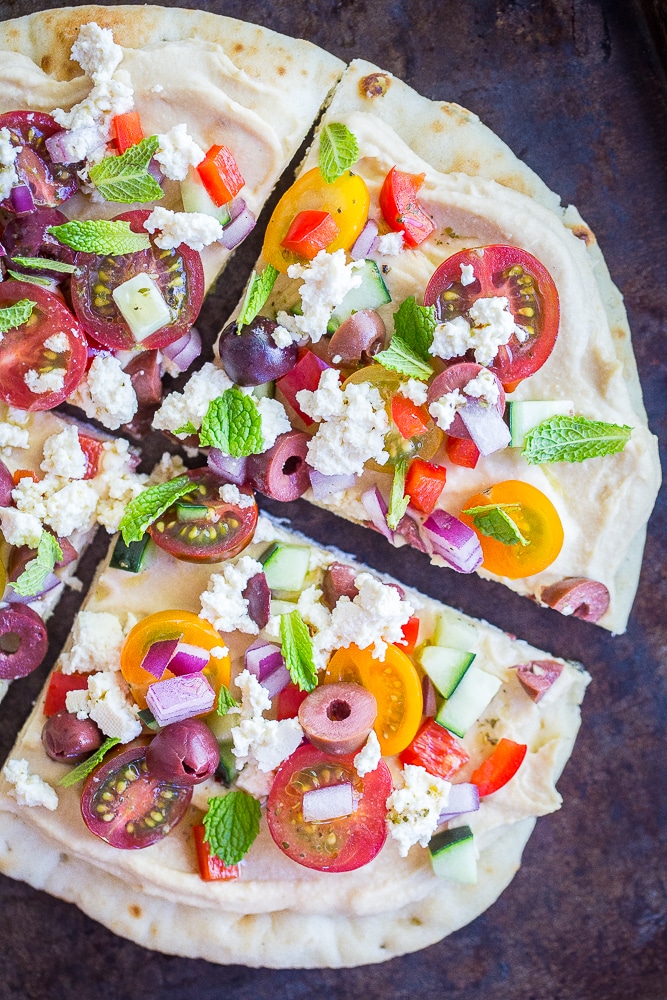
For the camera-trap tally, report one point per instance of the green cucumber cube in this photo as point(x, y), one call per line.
point(525, 414)
point(471, 696)
point(445, 666)
point(370, 294)
point(286, 567)
point(227, 769)
point(196, 198)
point(455, 631)
point(130, 558)
point(453, 855)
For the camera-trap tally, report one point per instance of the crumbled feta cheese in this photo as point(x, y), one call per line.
point(30, 496)
point(223, 603)
point(255, 782)
point(106, 394)
point(57, 342)
point(177, 151)
point(312, 610)
point(415, 391)
point(8, 154)
point(194, 229)
point(265, 742)
point(443, 410)
point(13, 430)
point(467, 275)
point(369, 756)
point(107, 704)
point(326, 282)
point(390, 244)
point(274, 421)
point(265, 530)
point(232, 494)
point(255, 699)
point(97, 638)
point(282, 337)
point(190, 406)
point(71, 508)
point(95, 51)
point(115, 483)
point(40, 382)
point(20, 528)
point(219, 652)
point(63, 455)
point(491, 325)
point(353, 425)
point(168, 468)
point(483, 386)
point(452, 338)
point(414, 807)
point(29, 789)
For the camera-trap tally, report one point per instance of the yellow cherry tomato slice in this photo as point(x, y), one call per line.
point(536, 518)
point(397, 688)
point(346, 199)
point(183, 625)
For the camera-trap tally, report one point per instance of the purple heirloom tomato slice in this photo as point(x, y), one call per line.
point(50, 183)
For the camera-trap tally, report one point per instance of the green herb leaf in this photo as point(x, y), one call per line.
point(494, 521)
point(573, 439)
point(258, 292)
point(398, 503)
point(14, 316)
point(84, 769)
point(32, 279)
point(339, 150)
point(233, 424)
point(149, 505)
point(188, 428)
point(45, 264)
point(225, 701)
point(231, 825)
point(398, 357)
point(125, 178)
point(298, 651)
point(415, 325)
point(32, 579)
point(100, 236)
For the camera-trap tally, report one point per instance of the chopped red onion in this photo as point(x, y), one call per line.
point(236, 207)
point(188, 659)
point(430, 706)
point(454, 541)
point(374, 503)
point(330, 802)
point(155, 170)
point(277, 681)
point(22, 200)
point(65, 146)
point(366, 241)
point(158, 656)
point(263, 658)
point(485, 425)
point(237, 230)
point(185, 350)
point(180, 698)
point(50, 582)
point(233, 470)
point(463, 798)
point(323, 486)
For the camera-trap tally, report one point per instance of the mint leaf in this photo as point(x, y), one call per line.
point(233, 424)
point(573, 439)
point(398, 357)
point(33, 577)
point(398, 503)
point(258, 292)
point(149, 505)
point(415, 325)
point(125, 178)
point(298, 651)
point(100, 236)
point(231, 825)
point(87, 766)
point(45, 264)
point(14, 316)
point(225, 701)
point(494, 522)
point(32, 279)
point(188, 428)
point(339, 150)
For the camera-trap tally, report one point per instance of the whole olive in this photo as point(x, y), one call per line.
point(250, 356)
point(357, 339)
point(70, 739)
point(185, 753)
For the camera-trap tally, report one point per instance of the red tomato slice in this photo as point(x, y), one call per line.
point(28, 236)
point(336, 845)
point(289, 701)
point(23, 349)
point(531, 293)
point(220, 175)
point(50, 183)
point(211, 867)
point(436, 750)
point(178, 274)
point(497, 769)
point(424, 483)
point(309, 233)
point(401, 209)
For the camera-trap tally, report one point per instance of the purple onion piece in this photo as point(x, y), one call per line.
point(49, 584)
point(155, 170)
point(323, 486)
point(454, 541)
point(365, 242)
point(277, 681)
point(232, 470)
point(180, 698)
point(63, 146)
point(235, 208)
point(258, 596)
point(6, 486)
point(158, 656)
point(185, 350)
point(188, 659)
point(22, 200)
point(237, 230)
point(3, 252)
point(328, 802)
point(485, 426)
point(374, 503)
point(463, 798)
point(263, 658)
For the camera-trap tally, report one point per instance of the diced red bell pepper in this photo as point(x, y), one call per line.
point(401, 208)
point(24, 474)
point(310, 232)
point(435, 749)
point(289, 700)
point(211, 867)
point(220, 175)
point(305, 375)
point(410, 419)
point(424, 483)
point(127, 130)
point(92, 448)
point(497, 769)
point(462, 451)
point(410, 633)
point(59, 685)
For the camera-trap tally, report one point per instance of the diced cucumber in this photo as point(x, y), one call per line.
point(470, 698)
point(265, 390)
point(142, 306)
point(191, 511)
point(282, 608)
point(453, 855)
point(227, 770)
point(285, 567)
point(148, 718)
point(528, 413)
point(196, 198)
point(371, 293)
point(221, 725)
point(445, 666)
point(130, 557)
point(455, 631)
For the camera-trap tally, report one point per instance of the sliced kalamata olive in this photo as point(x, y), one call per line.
point(457, 377)
point(6, 485)
point(144, 371)
point(577, 596)
point(70, 739)
point(338, 581)
point(258, 596)
point(251, 356)
point(23, 641)
point(337, 718)
point(281, 472)
point(185, 753)
point(537, 676)
point(409, 529)
point(357, 339)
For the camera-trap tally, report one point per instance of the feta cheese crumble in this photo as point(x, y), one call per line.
point(255, 699)
point(326, 282)
point(467, 275)
point(57, 342)
point(63, 455)
point(390, 244)
point(483, 386)
point(13, 431)
point(97, 639)
point(491, 326)
point(443, 410)
point(8, 154)
point(369, 756)
point(223, 603)
point(190, 406)
point(177, 152)
point(194, 229)
point(414, 807)
point(29, 789)
point(232, 494)
point(20, 528)
point(106, 394)
point(274, 421)
point(282, 337)
point(107, 704)
point(41, 382)
point(265, 742)
point(414, 390)
point(312, 610)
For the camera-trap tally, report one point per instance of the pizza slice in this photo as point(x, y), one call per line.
point(288, 760)
point(450, 353)
point(135, 154)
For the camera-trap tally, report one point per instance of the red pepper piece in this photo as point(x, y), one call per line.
point(410, 633)
point(462, 451)
point(310, 232)
point(497, 769)
point(435, 749)
point(305, 375)
point(211, 867)
point(289, 700)
point(424, 483)
point(92, 448)
point(127, 130)
point(401, 208)
point(24, 474)
point(410, 419)
point(59, 685)
point(220, 175)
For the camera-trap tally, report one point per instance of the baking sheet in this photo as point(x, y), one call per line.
point(577, 89)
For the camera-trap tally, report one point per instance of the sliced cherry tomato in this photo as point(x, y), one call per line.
point(401, 209)
point(409, 418)
point(178, 274)
point(183, 625)
point(305, 375)
point(424, 483)
point(28, 236)
point(211, 867)
point(531, 294)
point(92, 448)
point(309, 233)
point(336, 845)
point(220, 175)
point(201, 526)
point(410, 635)
point(536, 518)
point(23, 349)
point(50, 183)
point(125, 806)
point(59, 686)
point(397, 688)
point(127, 130)
point(436, 750)
point(497, 769)
point(463, 452)
point(346, 200)
point(289, 700)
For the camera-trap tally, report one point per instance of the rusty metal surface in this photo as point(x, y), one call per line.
point(577, 88)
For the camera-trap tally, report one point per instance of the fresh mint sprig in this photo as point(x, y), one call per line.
point(231, 825)
point(573, 439)
point(408, 351)
point(258, 292)
point(149, 505)
point(32, 579)
point(339, 150)
point(14, 316)
point(125, 178)
point(32, 279)
point(233, 424)
point(398, 502)
point(44, 264)
point(225, 701)
point(88, 766)
point(100, 236)
point(398, 357)
point(494, 522)
point(297, 648)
